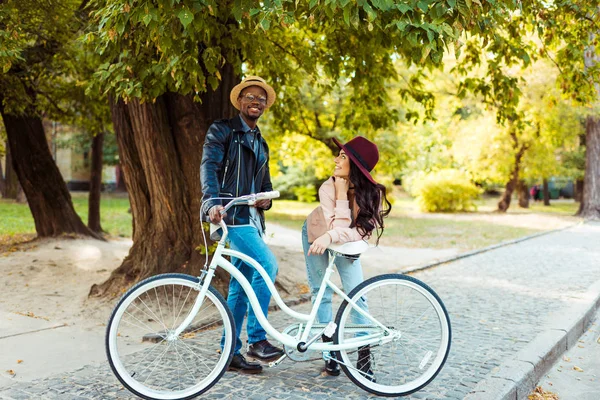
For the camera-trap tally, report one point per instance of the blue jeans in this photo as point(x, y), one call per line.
point(247, 240)
point(350, 271)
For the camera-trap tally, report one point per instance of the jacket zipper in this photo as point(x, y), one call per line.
point(265, 163)
point(237, 184)
point(225, 174)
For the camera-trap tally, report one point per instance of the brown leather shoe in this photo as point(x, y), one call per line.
point(264, 350)
point(239, 363)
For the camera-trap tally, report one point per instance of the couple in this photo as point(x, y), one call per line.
point(235, 162)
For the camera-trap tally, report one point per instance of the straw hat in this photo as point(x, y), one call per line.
point(363, 153)
point(252, 81)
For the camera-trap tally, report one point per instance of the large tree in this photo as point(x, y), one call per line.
point(170, 64)
point(562, 32)
point(34, 35)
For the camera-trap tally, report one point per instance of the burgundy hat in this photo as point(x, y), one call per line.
point(363, 153)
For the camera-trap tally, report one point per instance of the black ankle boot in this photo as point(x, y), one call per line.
point(331, 366)
point(363, 363)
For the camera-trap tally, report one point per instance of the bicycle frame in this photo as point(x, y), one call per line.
point(219, 261)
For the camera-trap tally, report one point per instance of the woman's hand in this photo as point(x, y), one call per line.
point(320, 245)
point(341, 188)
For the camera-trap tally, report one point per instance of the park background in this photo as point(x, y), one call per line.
point(105, 105)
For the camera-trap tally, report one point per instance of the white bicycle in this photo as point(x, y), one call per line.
point(171, 336)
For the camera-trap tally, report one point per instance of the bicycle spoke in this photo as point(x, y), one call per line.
point(174, 367)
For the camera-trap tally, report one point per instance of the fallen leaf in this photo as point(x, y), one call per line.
point(31, 315)
point(305, 389)
point(541, 394)
point(567, 359)
point(576, 368)
point(11, 372)
point(19, 361)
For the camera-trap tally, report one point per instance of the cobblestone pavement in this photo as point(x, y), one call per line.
point(498, 301)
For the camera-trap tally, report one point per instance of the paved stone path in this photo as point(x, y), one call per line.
point(498, 301)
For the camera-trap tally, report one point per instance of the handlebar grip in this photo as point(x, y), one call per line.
point(267, 195)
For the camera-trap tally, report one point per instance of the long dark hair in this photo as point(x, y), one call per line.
point(373, 205)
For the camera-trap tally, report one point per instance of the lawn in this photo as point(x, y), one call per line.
point(408, 227)
point(405, 227)
point(16, 219)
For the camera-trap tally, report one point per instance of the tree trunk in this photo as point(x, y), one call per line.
point(160, 149)
point(49, 200)
point(1, 179)
point(120, 176)
point(523, 194)
point(11, 182)
point(21, 197)
point(590, 205)
point(504, 202)
point(95, 184)
point(546, 192)
point(578, 195)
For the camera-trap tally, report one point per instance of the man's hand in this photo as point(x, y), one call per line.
point(320, 245)
point(264, 203)
point(215, 214)
point(341, 188)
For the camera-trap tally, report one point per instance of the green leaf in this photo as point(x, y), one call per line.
point(266, 24)
point(185, 16)
point(452, 3)
point(147, 18)
point(423, 5)
point(464, 7)
point(404, 8)
point(312, 4)
point(120, 27)
point(347, 15)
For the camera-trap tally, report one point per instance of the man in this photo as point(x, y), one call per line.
point(235, 162)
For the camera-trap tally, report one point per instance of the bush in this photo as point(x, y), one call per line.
point(296, 183)
point(447, 190)
point(306, 193)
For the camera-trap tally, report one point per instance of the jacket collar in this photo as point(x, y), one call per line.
point(238, 125)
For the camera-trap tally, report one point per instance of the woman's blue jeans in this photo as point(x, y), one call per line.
point(247, 240)
point(350, 272)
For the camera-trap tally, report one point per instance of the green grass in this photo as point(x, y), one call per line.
point(405, 227)
point(408, 227)
point(114, 218)
point(15, 218)
point(440, 233)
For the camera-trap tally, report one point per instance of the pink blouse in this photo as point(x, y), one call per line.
point(338, 215)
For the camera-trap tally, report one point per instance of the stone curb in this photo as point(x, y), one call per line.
point(516, 378)
point(450, 259)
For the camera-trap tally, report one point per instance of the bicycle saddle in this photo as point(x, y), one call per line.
point(350, 249)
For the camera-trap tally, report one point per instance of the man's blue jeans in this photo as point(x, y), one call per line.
point(247, 240)
point(351, 273)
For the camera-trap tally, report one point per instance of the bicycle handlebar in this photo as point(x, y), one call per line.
point(250, 199)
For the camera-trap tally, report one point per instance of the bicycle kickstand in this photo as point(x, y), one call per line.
point(278, 361)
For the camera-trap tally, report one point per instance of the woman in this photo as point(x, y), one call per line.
point(353, 205)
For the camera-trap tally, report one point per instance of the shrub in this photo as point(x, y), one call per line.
point(306, 193)
point(447, 190)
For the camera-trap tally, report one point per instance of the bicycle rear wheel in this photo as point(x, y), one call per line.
point(421, 335)
point(149, 359)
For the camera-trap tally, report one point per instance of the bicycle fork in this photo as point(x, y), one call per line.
point(202, 287)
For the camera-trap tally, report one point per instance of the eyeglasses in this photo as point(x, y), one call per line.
point(250, 97)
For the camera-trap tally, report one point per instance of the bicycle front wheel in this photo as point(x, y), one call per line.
point(413, 348)
point(145, 354)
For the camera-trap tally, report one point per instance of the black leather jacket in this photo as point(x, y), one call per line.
point(228, 167)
